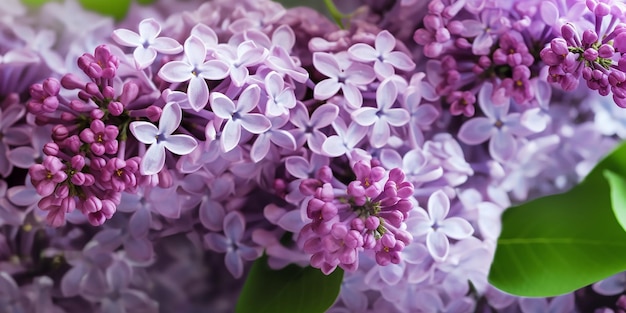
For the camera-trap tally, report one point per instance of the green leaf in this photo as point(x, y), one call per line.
point(335, 13)
point(114, 8)
point(559, 243)
point(292, 289)
point(618, 196)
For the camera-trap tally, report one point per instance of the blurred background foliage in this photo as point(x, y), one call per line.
point(118, 8)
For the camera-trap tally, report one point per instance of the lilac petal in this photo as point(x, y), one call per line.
point(400, 61)
point(611, 286)
point(365, 116)
point(139, 249)
point(438, 245)
point(456, 228)
point(17, 136)
point(386, 94)
point(198, 93)
point(234, 226)
point(383, 69)
point(9, 214)
point(291, 221)
point(22, 195)
point(234, 264)
point(353, 95)
point(489, 219)
point(380, 134)
point(414, 253)
point(549, 13)
point(363, 52)
point(248, 99)
point(180, 144)
point(166, 45)
point(176, 72)
point(255, 123)
point(144, 57)
point(195, 51)
point(127, 38)
point(425, 114)
point(149, 28)
point(324, 115)
point(145, 132)
point(482, 43)
point(70, 283)
point(153, 160)
point(109, 306)
point(138, 301)
point(260, 148)
point(297, 166)
point(213, 70)
point(284, 139)
point(118, 275)
point(397, 117)
point(326, 89)
point(239, 75)
point(334, 146)
point(284, 37)
point(385, 42)
point(206, 34)
point(250, 54)
point(22, 157)
point(360, 74)
point(438, 206)
point(326, 64)
point(476, 131)
point(170, 118)
point(222, 106)
point(230, 135)
point(392, 274)
point(217, 242)
point(274, 84)
point(212, 214)
point(139, 223)
point(166, 202)
point(531, 305)
point(502, 146)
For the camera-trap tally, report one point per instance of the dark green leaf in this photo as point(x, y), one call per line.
point(292, 289)
point(618, 196)
point(114, 8)
point(556, 244)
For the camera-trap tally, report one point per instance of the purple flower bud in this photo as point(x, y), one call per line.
point(96, 114)
point(559, 46)
point(71, 81)
point(51, 149)
point(372, 222)
point(129, 93)
point(115, 108)
point(569, 34)
point(51, 86)
point(154, 113)
point(77, 162)
point(590, 54)
point(589, 37)
point(78, 179)
point(606, 51)
point(108, 92)
point(59, 132)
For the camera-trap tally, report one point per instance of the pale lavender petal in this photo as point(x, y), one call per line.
point(239, 75)
point(166, 201)
point(248, 99)
point(363, 52)
point(222, 106)
point(198, 93)
point(145, 132)
point(138, 301)
point(70, 283)
point(385, 42)
point(533, 305)
point(415, 253)
point(352, 94)
point(392, 274)
point(400, 61)
point(324, 115)
point(230, 135)
point(234, 264)
point(195, 51)
point(502, 146)
point(611, 286)
point(153, 160)
point(17, 136)
point(149, 28)
point(438, 206)
point(482, 43)
point(284, 139)
point(386, 94)
point(166, 45)
point(250, 54)
point(255, 123)
point(139, 249)
point(212, 214)
point(397, 117)
point(326, 89)
point(22, 157)
point(334, 146)
point(260, 148)
point(22, 195)
point(206, 34)
point(425, 114)
point(176, 72)
point(118, 275)
point(383, 69)
point(563, 303)
point(380, 134)
point(217, 242)
point(360, 74)
point(365, 116)
point(485, 101)
point(297, 166)
point(234, 226)
point(456, 228)
point(144, 57)
point(180, 144)
point(326, 64)
point(213, 70)
point(127, 38)
point(438, 245)
point(139, 223)
point(170, 118)
point(476, 131)
point(284, 37)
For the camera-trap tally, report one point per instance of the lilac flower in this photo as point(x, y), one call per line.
point(279, 98)
point(237, 115)
point(239, 58)
point(276, 135)
point(437, 228)
point(498, 125)
point(308, 128)
point(161, 138)
point(146, 43)
point(230, 243)
point(101, 139)
point(381, 118)
point(383, 56)
point(342, 75)
point(11, 134)
point(195, 70)
point(346, 139)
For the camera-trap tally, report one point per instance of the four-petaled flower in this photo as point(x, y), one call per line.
point(383, 56)
point(161, 138)
point(146, 43)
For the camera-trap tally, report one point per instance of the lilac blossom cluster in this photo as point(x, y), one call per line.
point(179, 144)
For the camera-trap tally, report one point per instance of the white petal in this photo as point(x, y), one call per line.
point(170, 118)
point(127, 38)
point(365, 116)
point(456, 228)
point(326, 64)
point(255, 123)
point(180, 144)
point(438, 206)
point(213, 70)
point(198, 93)
point(153, 160)
point(230, 135)
point(221, 105)
point(144, 57)
point(438, 245)
point(167, 45)
point(145, 132)
point(363, 52)
point(149, 29)
point(176, 72)
point(334, 146)
point(248, 99)
point(326, 89)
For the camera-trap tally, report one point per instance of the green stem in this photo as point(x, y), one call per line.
point(335, 13)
